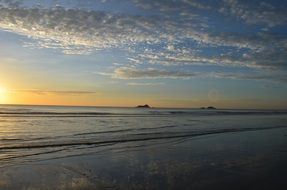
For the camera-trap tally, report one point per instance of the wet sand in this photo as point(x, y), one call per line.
point(238, 160)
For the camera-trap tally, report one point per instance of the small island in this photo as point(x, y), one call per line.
point(143, 106)
point(208, 108)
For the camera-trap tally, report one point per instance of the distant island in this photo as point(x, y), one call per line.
point(208, 108)
point(143, 106)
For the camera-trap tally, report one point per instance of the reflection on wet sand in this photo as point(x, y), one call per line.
point(243, 160)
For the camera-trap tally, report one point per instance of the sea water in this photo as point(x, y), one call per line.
point(138, 148)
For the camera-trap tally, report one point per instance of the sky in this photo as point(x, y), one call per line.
point(165, 53)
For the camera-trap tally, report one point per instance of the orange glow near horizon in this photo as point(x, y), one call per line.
point(8, 96)
point(3, 95)
point(105, 97)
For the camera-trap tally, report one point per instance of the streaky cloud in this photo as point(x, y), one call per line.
point(145, 83)
point(150, 73)
point(56, 92)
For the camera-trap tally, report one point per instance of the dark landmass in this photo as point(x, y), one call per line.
point(208, 108)
point(143, 106)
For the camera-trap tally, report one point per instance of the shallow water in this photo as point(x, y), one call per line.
point(129, 148)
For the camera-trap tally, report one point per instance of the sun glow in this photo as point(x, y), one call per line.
point(3, 95)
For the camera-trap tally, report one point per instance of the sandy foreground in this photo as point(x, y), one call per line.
point(240, 160)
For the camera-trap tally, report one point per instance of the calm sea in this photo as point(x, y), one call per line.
point(39, 134)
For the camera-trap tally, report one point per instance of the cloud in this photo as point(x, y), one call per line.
point(175, 35)
point(78, 30)
point(144, 84)
point(10, 3)
point(268, 76)
point(150, 73)
point(265, 51)
point(81, 31)
point(103, 73)
point(170, 5)
point(56, 92)
point(186, 57)
point(260, 13)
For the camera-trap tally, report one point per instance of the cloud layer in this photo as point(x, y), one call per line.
point(161, 32)
point(75, 31)
point(153, 73)
point(258, 13)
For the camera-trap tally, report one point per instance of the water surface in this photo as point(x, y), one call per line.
point(129, 148)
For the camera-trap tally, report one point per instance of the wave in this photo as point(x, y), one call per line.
point(134, 138)
point(229, 112)
point(54, 113)
point(10, 139)
point(125, 130)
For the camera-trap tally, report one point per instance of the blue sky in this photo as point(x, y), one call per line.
point(170, 53)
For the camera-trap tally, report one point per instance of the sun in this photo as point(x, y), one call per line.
point(3, 95)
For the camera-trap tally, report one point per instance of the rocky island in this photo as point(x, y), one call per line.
point(208, 108)
point(143, 106)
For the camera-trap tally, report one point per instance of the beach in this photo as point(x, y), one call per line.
point(143, 95)
point(130, 148)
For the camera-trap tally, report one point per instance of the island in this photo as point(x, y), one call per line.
point(208, 108)
point(143, 106)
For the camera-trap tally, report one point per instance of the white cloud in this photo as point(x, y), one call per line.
point(78, 30)
point(81, 31)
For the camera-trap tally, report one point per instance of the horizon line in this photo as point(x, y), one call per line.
point(217, 108)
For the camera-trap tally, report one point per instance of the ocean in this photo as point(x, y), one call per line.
point(57, 147)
